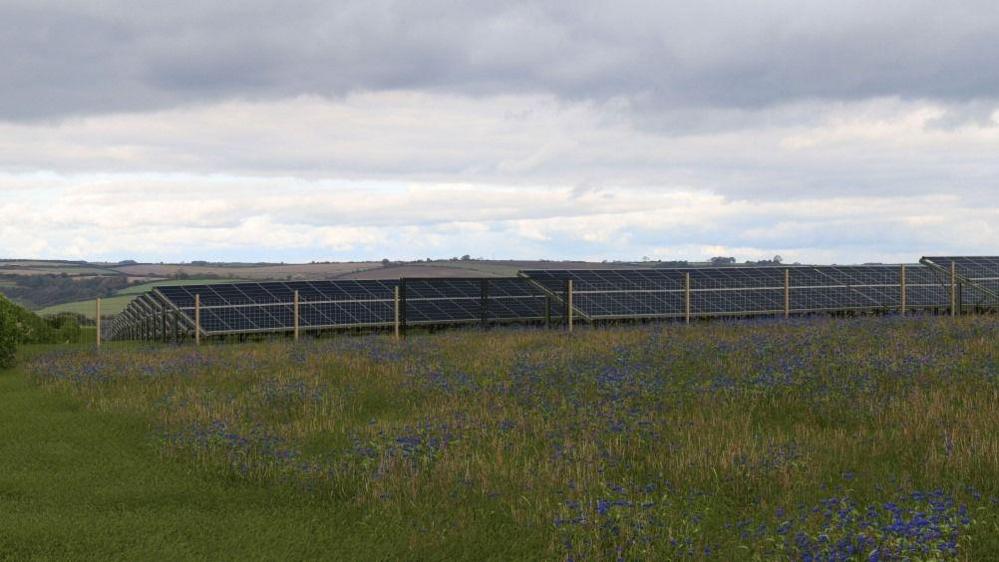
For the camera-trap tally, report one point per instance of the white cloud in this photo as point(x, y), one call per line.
point(412, 175)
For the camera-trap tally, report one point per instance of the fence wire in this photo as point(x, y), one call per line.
point(543, 296)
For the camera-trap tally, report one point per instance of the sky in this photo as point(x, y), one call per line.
point(257, 130)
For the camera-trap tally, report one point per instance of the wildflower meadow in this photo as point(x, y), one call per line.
point(812, 439)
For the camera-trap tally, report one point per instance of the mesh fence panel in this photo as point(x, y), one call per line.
point(172, 312)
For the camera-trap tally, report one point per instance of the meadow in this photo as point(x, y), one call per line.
point(812, 439)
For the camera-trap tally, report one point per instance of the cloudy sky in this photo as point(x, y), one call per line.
point(838, 131)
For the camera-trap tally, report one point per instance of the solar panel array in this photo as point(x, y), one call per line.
point(978, 278)
point(542, 295)
point(742, 291)
point(441, 301)
point(170, 312)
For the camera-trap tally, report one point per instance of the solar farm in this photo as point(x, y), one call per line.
point(942, 285)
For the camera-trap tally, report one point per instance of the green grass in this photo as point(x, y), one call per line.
point(723, 441)
point(111, 305)
point(146, 287)
point(81, 485)
point(117, 303)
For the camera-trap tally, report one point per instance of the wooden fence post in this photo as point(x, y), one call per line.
point(787, 294)
point(953, 289)
point(484, 303)
point(568, 298)
point(197, 319)
point(296, 314)
point(98, 320)
point(686, 297)
point(395, 302)
point(903, 292)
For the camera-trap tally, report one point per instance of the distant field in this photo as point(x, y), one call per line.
point(816, 439)
point(146, 287)
point(52, 268)
point(116, 304)
point(112, 305)
point(307, 271)
point(414, 270)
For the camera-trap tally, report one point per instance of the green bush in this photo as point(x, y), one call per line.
point(64, 328)
point(19, 326)
point(8, 334)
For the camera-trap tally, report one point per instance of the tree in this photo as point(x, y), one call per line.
point(466, 257)
point(385, 262)
point(778, 260)
point(722, 261)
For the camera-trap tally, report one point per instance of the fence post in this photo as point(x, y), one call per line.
point(295, 306)
point(568, 302)
point(953, 289)
point(903, 294)
point(787, 294)
point(484, 303)
point(197, 319)
point(402, 307)
point(686, 297)
point(395, 302)
point(98, 320)
point(548, 311)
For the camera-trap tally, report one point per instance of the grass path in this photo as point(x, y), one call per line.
point(79, 485)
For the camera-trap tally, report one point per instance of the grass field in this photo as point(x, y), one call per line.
point(81, 485)
point(117, 303)
point(88, 308)
point(140, 288)
point(830, 439)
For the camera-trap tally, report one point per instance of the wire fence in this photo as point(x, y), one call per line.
point(556, 298)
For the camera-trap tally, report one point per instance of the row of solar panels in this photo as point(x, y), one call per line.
point(543, 295)
point(269, 306)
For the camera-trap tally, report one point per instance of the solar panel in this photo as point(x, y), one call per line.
point(236, 308)
point(536, 295)
point(431, 301)
point(976, 276)
point(743, 291)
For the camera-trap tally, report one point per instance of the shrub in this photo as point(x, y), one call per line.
point(28, 326)
point(8, 334)
point(64, 328)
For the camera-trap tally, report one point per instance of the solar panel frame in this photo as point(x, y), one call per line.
point(742, 291)
point(535, 295)
point(977, 278)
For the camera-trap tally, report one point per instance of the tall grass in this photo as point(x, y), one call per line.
point(830, 439)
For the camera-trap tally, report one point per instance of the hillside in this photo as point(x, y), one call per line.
point(53, 286)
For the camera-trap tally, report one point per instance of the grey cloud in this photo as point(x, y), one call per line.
point(63, 59)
